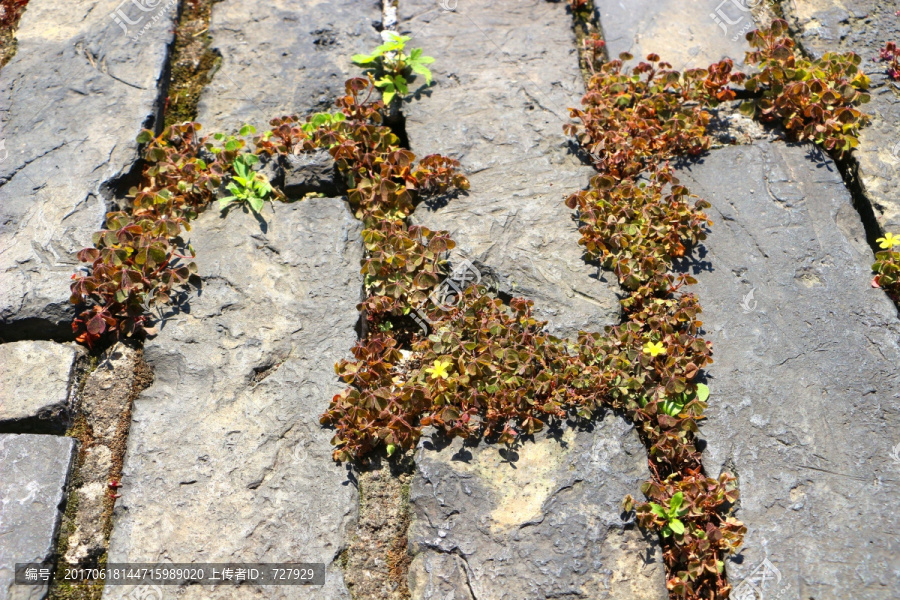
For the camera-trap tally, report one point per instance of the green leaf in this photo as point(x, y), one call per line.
point(363, 59)
point(224, 202)
point(144, 136)
point(391, 448)
point(256, 203)
point(676, 502)
point(676, 526)
point(658, 510)
point(248, 129)
point(400, 84)
point(702, 392)
point(422, 70)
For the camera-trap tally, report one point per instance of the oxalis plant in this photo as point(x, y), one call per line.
point(392, 66)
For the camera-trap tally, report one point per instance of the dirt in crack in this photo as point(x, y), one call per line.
point(101, 423)
point(376, 561)
point(192, 61)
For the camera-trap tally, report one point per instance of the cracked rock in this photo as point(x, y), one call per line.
point(689, 35)
point(805, 407)
point(34, 470)
point(283, 57)
point(36, 380)
point(226, 460)
point(863, 26)
point(310, 173)
point(72, 101)
point(541, 521)
point(498, 104)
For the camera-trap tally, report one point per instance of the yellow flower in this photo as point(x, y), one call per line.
point(654, 349)
point(889, 240)
point(439, 370)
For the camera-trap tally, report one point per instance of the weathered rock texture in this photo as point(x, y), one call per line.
point(689, 34)
point(33, 474)
point(805, 405)
point(547, 524)
point(72, 101)
point(36, 380)
point(226, 459)
point(283, 57)
point(863, 27)
point(543, 521)
point(505, 74)
point(104, 416)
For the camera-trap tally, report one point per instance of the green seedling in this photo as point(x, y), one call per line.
point(671, 515)
point(393, 66)
point(247, 186)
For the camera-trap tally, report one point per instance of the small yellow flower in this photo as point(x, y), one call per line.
point(889, 240)
point(439, 370)
point(654, 348)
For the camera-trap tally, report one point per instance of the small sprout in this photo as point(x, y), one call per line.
point(673, 523)
point(392, 66)
point(247, 185)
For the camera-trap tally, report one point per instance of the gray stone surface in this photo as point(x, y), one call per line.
point(283, 57)
point(33, 474)
point(805, 404)
point(72, 101)
point(306, 173)
point(226, 460)
point(863, 26)
point(36, 378)
point(505, 74)
point(543, 523)
point(689, 34)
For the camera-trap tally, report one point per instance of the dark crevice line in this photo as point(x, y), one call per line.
point(383, 483)
point(849, 164)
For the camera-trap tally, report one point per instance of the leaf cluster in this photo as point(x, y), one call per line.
point(135, 263)
point(633, 118)
point(814, 100)
point(692, 512)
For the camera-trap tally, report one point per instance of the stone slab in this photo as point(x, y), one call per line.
point(36, 379)
point(283, 57)
point(226, 460)
point(542, 521)
point(863, 27)
point(505, 75)
point(72, 100)
point(689, 34)
point(34, 470)
point(805, 403)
